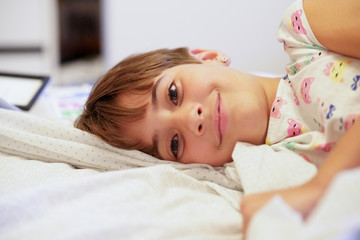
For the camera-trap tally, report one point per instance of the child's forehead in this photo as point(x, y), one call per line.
point(137, 98)
point(132, 99)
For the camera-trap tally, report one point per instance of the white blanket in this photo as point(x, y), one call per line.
point(55, 182)
point(336, 216)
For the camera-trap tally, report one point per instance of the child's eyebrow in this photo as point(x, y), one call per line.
point(154, 92)
point(155, 141)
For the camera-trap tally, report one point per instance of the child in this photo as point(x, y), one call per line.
point(190, 107)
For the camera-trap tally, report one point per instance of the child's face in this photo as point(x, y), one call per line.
point(197, 112)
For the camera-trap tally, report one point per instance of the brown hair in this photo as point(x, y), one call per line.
point(103, 115)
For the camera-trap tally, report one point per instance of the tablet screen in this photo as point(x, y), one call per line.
point(21, 90)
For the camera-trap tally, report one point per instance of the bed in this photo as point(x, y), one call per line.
point(57, 182)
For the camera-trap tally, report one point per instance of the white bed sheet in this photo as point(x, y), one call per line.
point(59, 182)
point(336, 217)
point(145, 203)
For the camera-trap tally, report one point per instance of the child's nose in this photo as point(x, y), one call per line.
point(200, 128)
point(193, 120)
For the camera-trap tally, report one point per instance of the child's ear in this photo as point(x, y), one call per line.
point(211, 55)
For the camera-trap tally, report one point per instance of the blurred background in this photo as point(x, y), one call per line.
point(76, 41)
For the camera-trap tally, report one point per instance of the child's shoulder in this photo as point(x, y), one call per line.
point(294, 30)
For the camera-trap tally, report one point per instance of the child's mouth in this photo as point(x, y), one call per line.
point(220, 118)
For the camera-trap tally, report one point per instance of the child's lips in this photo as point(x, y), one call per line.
point(220, 119)
point(223, 119)
point(216, 118)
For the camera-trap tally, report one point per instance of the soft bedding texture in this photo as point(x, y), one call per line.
point(61, 183)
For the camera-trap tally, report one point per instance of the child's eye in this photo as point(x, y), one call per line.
point(173, 94)
point(174, 145)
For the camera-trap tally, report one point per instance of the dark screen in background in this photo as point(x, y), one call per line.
point(79, 29)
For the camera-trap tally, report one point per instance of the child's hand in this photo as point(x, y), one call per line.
point(302, 198)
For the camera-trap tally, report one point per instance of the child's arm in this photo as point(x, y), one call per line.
point(345, 155)
point(336, 24)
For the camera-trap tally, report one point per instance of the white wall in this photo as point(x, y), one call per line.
point(15, 13)
point(28, 23)
point(34, 23)
point(246, 30)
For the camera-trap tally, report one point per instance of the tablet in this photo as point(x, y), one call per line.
point(21, 90)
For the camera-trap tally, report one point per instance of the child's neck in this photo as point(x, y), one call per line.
point(270, 86)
